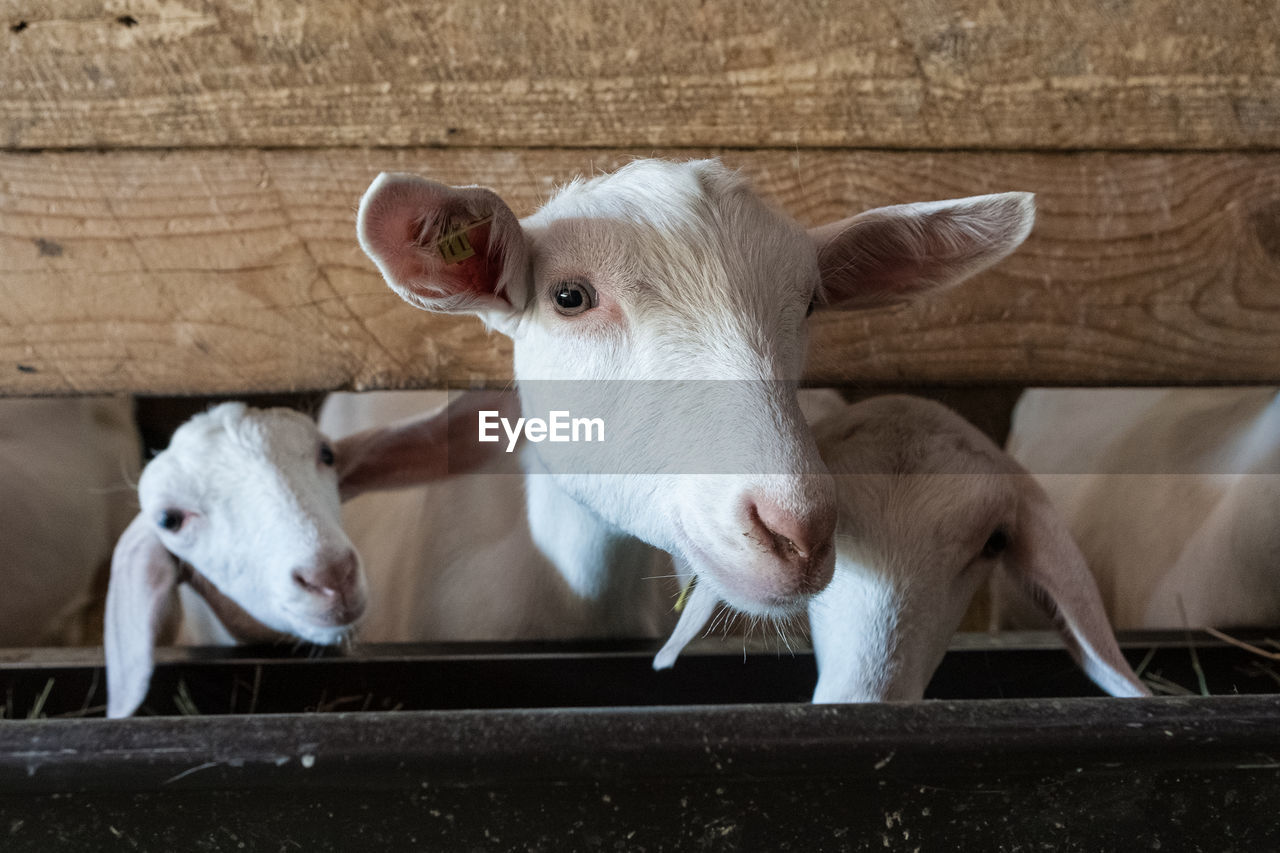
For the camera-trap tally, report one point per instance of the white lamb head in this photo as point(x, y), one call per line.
point(244, 505)
point(670, 274)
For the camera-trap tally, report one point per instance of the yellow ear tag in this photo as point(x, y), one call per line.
point(684, 593)
point(454, 245)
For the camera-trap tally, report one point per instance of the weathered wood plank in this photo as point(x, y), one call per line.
point(239, 271)
point(982, 74)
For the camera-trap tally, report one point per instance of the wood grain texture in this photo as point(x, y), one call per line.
point(1033, 74)
point(239, 271)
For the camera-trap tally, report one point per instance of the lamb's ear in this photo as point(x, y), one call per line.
point(698, 608)
point(893, 254)
point(442, 248)
point(142, 610)
point(418, 450)
point(1046, 561)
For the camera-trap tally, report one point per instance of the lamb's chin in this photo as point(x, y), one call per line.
point(780, 608)
point(323, 635)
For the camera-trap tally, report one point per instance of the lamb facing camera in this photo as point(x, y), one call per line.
point(239, 538)
point(675, 272)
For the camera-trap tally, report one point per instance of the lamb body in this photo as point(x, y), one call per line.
point(929, 509)
point(1173, 494)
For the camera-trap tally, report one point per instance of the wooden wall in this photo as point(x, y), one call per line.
point(178, 178)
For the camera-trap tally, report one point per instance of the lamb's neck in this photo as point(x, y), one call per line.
point(601, 563)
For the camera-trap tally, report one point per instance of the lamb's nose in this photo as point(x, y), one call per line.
point(803, 542)
point(334, 579)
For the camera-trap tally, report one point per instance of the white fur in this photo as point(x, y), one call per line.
point(456, 559)
point(920, 493)
point(261, 506)
point(261, 532)
point(459, 560)
point(697, 279)
point(66, 469)
point(1173, 494)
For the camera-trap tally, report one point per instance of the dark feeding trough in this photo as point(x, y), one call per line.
point(548, 747)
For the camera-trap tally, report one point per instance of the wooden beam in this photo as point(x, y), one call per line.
point(1037, 74)
point(238, 271)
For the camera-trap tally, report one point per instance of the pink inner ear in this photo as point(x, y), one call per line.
point(479, 273)
point(430, 275)
point(401, 224)
point(892, 254)
point(884, 262)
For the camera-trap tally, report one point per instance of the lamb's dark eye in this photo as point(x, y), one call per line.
point(326, 455)
point(573, 297)
point(996, 543)
point(171, 520)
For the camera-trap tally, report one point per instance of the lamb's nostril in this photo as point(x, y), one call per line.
point(788, 535)
point(334, 585)
point(301, 580)
point(801, 541)
point(340, 575)
point(786, 547)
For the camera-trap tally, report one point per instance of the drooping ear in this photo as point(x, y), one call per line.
point(142, 611)
point(1046, 561)
point(698, 609)
point(442, 248)
point(422, 449)
point(892, 254)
